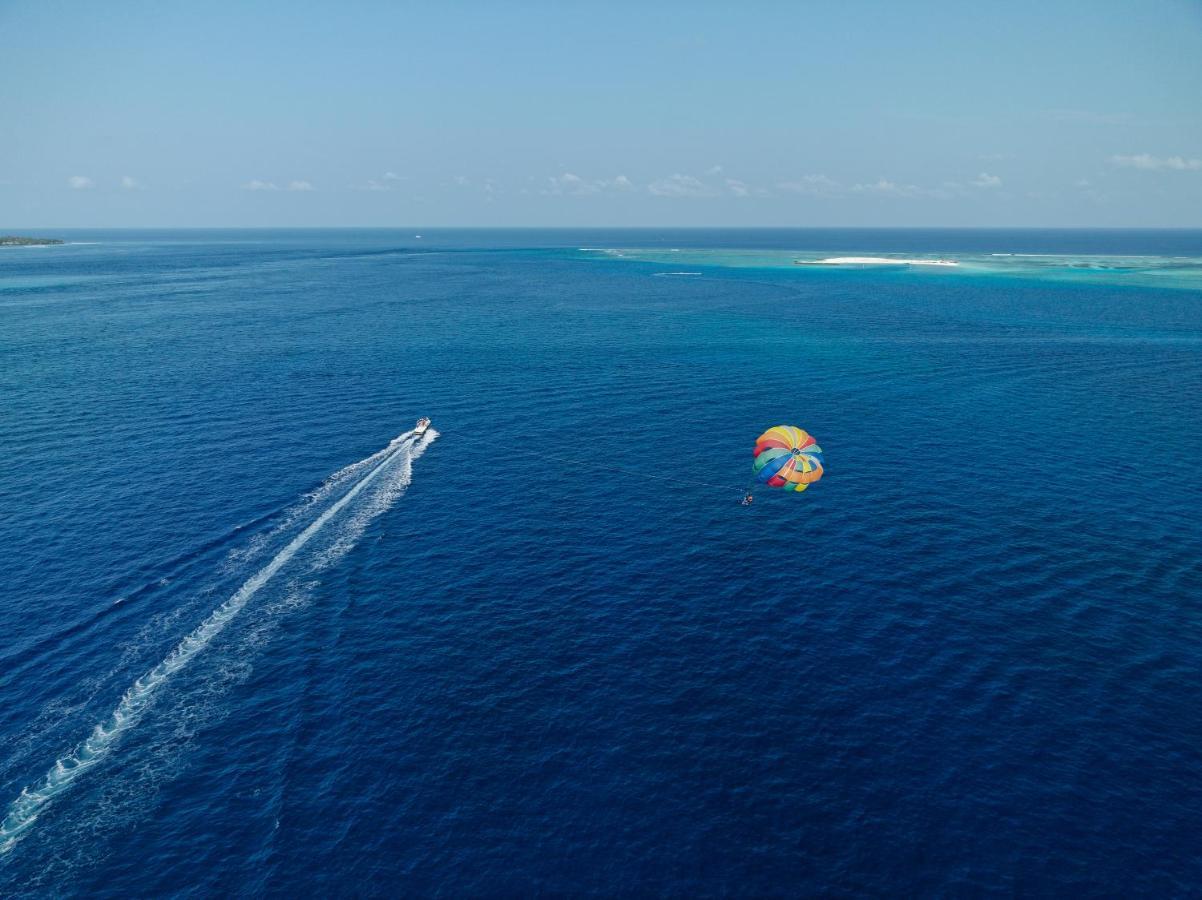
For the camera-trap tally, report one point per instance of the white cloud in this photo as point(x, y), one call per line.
point(822, 186)
point(1152, 163)
point(743, 189)
point(571, 184)
point(461, 180)
point(300, 186)
point(80, 182)
point(810, 184)
point(714, 170)
point(257, 185)
point(385, 182)
point(888, 188)
point(945, 190)
point(678, 185)
point(130, 183)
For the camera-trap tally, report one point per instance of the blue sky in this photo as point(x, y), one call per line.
point(1044, 113)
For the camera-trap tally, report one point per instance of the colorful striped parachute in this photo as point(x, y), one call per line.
point(787, 457)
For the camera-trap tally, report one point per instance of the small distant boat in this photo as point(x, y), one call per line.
point(422, 424)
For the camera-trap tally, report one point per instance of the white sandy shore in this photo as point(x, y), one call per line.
point(873, 261)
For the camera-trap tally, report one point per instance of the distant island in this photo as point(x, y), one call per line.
point(11, 240)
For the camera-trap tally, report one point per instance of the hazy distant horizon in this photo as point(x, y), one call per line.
point(38, 230)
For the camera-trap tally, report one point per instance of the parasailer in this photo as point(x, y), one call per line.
point(787, 457)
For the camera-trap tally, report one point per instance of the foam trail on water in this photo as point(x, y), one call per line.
point(24, 811)
point(319, 495)
point(380, 500)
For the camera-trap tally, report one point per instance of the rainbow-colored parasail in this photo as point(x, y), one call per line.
point(787, 457)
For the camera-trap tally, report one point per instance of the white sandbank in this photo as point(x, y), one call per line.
point(873, 261)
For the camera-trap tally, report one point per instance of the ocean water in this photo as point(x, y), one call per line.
point(260, 640)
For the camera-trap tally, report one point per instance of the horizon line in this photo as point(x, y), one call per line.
point(7, 230)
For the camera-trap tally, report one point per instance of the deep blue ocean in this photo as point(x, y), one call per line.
point(257, 639)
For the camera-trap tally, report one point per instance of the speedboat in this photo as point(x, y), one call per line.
point(422, 424)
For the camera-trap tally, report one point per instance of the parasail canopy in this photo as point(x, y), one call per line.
point(787, 457)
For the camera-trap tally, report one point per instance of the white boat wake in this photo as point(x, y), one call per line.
point(397, 458)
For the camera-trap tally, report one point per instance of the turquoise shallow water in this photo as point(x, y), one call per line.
point(509, 661)
point(1096, 269)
